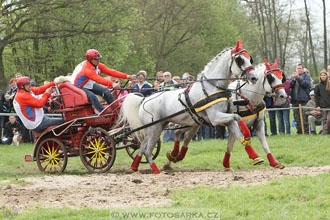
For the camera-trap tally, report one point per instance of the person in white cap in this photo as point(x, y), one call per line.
point(314, 115)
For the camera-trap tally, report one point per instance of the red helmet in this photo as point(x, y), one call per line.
point(22, 81)
point(93, 54)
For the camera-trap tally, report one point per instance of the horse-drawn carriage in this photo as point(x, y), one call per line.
point(93, 137)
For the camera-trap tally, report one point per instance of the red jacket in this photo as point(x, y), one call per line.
point(29, 106)
point(85, 74)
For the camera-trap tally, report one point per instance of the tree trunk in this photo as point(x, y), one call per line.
point(278, 42)
point(325, 36)
point(261, 46)
point(264, 30)
point(3, 82)
point(288, 28)
point(310, 38)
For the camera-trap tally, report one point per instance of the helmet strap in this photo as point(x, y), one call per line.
point(92, 63)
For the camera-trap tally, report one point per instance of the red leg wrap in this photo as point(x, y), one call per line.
point(252, 154)
point(271, 159)
point(182, 153)
point(175, 150)
point(154, 168)
point(226, 160)
point(136, 162)
point(245, 130)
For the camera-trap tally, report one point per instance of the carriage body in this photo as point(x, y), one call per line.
point(93, 137)
point(83, 133)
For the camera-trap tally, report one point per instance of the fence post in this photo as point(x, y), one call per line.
point(301, 120)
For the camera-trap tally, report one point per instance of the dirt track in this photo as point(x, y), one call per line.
point(118, 189)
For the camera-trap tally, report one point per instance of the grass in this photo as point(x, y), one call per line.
point(291, 150)
point(285, 198)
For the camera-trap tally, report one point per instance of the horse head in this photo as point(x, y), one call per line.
point(243, 63)
point(274, 81)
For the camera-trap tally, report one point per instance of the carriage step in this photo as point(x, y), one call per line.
point(28, 158)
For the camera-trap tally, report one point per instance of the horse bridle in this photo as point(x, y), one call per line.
point(239, 61)
point(269, 78)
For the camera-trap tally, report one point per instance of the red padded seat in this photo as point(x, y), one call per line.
point(72, 95)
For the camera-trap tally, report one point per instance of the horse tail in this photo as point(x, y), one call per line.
point(130, 113)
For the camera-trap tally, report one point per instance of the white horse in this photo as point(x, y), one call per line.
point(253, 110)
point(206, 100)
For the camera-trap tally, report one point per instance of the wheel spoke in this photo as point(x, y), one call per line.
point(95, 163)
point(51, 166)
point(46, 150)
point(101, 166)
point(90, 152)
point(46, 159)
point(109, 155)
point(55, 168)
point(90, 143)
point(106, 162)
point(45, 167)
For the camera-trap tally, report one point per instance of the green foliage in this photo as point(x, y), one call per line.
point(177, 36)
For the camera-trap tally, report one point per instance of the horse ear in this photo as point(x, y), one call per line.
point(239, 46)
point(267, 65)
point(275, 63)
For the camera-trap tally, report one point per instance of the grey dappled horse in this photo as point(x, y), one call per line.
point(269, 80)
point(252, 111)
point(138, 111)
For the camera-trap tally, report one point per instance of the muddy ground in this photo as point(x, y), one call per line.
point(120, 189)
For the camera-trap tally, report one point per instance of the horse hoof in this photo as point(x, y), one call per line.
point(228, 169)
point(136, 172)
point(258, 161)
point(170, 157)
point(279, 166)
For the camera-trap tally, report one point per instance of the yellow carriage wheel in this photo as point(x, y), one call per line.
point(51, 156)
point(97, 150)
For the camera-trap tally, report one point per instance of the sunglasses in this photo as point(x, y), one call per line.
point(97, 58)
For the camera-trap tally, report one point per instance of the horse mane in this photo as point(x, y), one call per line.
point(215, 59)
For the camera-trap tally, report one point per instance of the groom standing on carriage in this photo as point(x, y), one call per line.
point(86, 74)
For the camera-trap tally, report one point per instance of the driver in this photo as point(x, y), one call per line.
point(28, 104)
point(86, 74)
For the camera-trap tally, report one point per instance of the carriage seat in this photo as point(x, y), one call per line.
point(72, 95)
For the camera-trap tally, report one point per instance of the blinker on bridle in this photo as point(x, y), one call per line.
point(271, 79)
point(239, 61)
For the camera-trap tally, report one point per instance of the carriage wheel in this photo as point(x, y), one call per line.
point(97, 150)
point(134, 146)
point(51, 156)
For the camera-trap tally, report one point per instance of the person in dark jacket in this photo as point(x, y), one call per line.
point(300, 83)
point(142, 86)
point(272, 114)
point(322, 100)
point(10, 94)
point(8, 132)
point(2, 107)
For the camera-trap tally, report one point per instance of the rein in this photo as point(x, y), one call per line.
point(252, 111)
